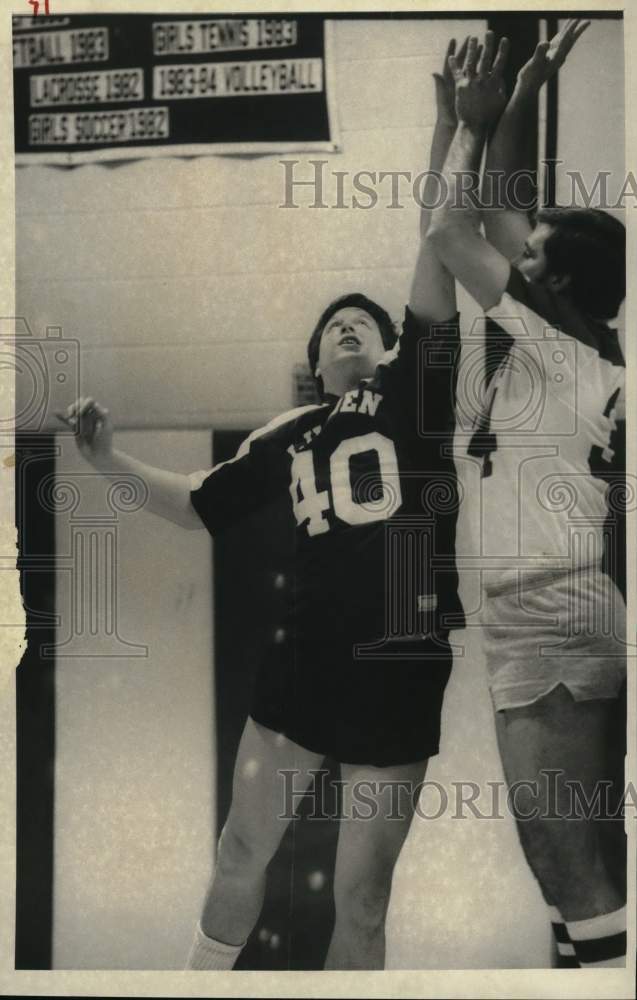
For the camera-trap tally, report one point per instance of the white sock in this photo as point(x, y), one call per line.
point(566, 957)
point(600, 941)
point(207, 953)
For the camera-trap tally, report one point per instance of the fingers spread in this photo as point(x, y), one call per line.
point(461, 54)
point(455, 70)
point(500, 57)
point(486, 56)
point(446, 69)
point(472, 56)
point(579, 30)
point(569, 34)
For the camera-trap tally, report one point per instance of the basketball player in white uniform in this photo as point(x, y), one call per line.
point(554, 621)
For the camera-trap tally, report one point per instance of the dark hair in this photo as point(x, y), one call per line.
point(354, 300)
point(590, 246)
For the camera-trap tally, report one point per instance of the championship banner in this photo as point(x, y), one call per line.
point(90, 88)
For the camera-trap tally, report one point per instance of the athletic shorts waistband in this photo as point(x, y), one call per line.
point(530, 579)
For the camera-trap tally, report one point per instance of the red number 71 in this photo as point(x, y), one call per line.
point(36, 6)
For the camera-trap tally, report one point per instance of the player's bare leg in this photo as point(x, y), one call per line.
point(367, 852)
point(558, 734)
point(252, 831)
point(613, 836)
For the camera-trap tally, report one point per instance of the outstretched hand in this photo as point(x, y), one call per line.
point(93, 428)
point(549, 56)
point(444, 84)
point(479, 85)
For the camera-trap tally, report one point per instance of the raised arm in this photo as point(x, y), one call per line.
point(433, 293)
point(509, 185)
point(454, 232)
point(168, 492)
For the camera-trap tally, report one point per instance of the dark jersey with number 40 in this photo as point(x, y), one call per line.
point(360, 668)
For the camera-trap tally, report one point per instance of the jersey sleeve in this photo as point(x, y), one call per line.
point(421, 372)
point(233, 489)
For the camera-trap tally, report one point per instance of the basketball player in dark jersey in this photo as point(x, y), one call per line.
point(351, 678)
point(554, 618)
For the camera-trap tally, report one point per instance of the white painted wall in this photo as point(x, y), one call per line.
point(134, 774)
point(192, 293)
point(592, 113)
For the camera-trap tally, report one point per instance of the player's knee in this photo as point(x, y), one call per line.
point(239, 851)
point(363, 901)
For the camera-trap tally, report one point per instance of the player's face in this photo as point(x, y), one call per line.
point(532, 260)
point(351, 347)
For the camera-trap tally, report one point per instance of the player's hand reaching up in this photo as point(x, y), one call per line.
point(93, 428)
point(549, 56)
point(480, 92)
point(445, 91)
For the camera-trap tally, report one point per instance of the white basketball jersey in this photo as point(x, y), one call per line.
point(555, 407)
